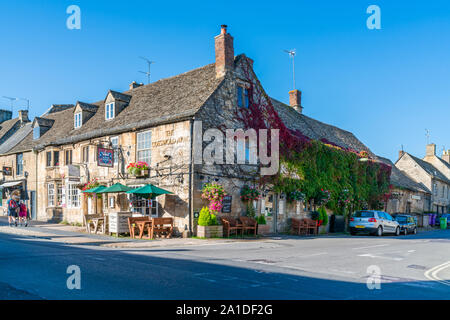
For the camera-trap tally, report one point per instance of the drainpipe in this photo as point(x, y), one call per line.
point(191, 171)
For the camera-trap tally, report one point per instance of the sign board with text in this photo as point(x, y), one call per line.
point(105, 157)
point(226, 204)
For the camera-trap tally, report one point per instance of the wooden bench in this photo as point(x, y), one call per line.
point(162, 226)
point(230, 225)
point(93, 222)
point(311, 225)
point(249, 224)
point(133, 226)
point(299, 227)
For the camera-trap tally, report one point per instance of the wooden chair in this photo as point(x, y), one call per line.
point(162, 226)
point(133, 227)
point(249, 224)
point(311, 226)
point(229, 225)
point(91, 222)
point(299, 226)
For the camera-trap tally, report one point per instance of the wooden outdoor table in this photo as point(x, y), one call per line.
point(141, 225)
point(96, 222)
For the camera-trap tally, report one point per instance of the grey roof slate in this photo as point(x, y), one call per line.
point(16, 139)
point(44, 122)
point(317, 130)
point(430, 169)
point(87, 106)
point(120, 96)
point(7, 125)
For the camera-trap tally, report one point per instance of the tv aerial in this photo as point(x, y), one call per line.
point(149, 63)
point(292, 54)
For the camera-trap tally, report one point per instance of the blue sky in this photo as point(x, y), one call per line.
point(386, 86)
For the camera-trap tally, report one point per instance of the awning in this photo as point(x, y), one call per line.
point(11, 184)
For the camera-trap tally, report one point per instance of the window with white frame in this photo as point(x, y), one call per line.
point(77, 123)
point(115, 146)
point(73, 195)
point(139, 205)
point(59, 194)
point(144, 146)
point(51, 194)
point(109, 111)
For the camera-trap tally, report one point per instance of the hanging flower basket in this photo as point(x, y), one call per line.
point(249, 193)
point(138, 169)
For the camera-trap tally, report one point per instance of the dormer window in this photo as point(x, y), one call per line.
point(78, 120)
point(109, 111)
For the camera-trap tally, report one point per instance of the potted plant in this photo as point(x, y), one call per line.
point(263, 227)
point(90, 185)
point(208, 227)
point(323, 219)
point(138, 169)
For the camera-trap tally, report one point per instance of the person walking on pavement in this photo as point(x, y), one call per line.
point(13, 207)
point(23, 214)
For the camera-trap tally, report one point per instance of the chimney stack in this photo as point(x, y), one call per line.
point(295, 100)
point(446, 156)
point(430, 150)
point(401, 153)
point(224, 52)
point(23, 116)
point(134, 85)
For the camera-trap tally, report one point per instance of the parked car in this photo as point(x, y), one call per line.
point(408, 224)
point(373, 222)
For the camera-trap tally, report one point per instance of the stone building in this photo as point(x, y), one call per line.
point(158, 124)
point(429, 176)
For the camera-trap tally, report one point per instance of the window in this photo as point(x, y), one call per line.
point(143, 206)
point(242, 97)
point(115, 146)
point(144, 144)
point(55, 158)
point(73, 196)
point(68, 157)
point(36, 132)
point(77, 123)
point(51, 195)
point(435, 190)
point(86, 154)
point(19, 164)
point(60, 194)
point(109, 111)
point(49, 159)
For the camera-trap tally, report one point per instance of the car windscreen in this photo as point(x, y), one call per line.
point(363, 214)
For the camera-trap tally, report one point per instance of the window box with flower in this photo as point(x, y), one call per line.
point(138, 169)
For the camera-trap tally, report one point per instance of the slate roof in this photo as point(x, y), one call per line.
point(429, 168)
point(120, 96)
point(10, 145)
point(402, 180)
point(87, 106)
point(58, 107)
point(7, 125)
point(163, 101)
point(317, 130)
point(44, 122)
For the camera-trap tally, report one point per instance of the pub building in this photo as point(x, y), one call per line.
point(73, 145)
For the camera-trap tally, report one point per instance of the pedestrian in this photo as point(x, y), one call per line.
point(13, 207)
point(23, 214)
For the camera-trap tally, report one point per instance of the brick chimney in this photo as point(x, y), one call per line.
point(134, 85)
point(401, 153)
point(295, 100)
point(431, 150)
point(23, 116)
point(224, 52)
point(446, 156)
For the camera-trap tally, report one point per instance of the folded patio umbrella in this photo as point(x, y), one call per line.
point(115, 188)
point(94, 190)
point(149, 191)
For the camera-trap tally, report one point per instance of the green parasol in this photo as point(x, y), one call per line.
point(115, 188)
point(94, 190)
point(149, 191)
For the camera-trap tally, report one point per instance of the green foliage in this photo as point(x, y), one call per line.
point(261, 219)
point(251, 212)
point(323, 216)
point(320, 167)
point(205, 218)
point(249, 193)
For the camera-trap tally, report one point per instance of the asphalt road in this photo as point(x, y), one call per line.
point(411, 267)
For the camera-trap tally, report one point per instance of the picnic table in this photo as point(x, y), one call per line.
point(93, 222)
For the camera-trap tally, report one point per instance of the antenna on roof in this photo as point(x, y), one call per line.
point(427, 134)
point(12, 101)
point(149, 65)
point(292, 54)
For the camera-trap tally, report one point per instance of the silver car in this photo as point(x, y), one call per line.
point(373, 222)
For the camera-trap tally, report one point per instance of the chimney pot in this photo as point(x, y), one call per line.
point(23, 116)
point(134, 85)
point(400, 153)
point(295, 100)
point(224, 52)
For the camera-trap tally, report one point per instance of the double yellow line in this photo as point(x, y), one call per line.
point(432, 274)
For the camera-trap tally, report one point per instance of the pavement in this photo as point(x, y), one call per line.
point(34, 264)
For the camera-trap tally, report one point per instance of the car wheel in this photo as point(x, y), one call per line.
point(405, 231)
point(380, 231)
point(415, 231)
point(397, 231)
